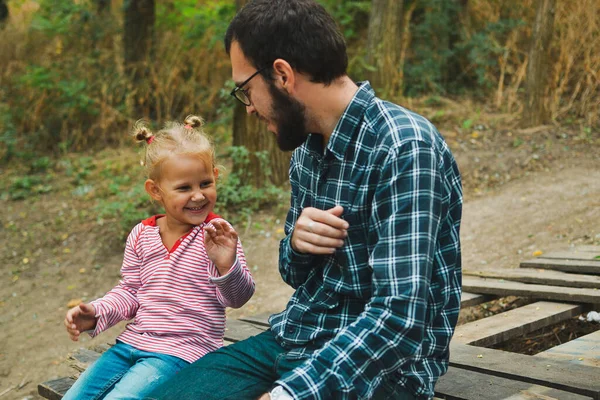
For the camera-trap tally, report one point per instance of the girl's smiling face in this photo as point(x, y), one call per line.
point(186, 188)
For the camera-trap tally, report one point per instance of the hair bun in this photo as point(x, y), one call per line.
point(141, 131)
point(193, 121)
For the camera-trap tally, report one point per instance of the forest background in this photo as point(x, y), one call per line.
point(516, 78)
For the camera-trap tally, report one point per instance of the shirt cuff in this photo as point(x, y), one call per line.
point(233, 271)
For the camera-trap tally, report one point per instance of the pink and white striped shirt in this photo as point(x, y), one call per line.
point(176, 297)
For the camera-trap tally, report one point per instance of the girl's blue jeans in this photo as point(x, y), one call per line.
point(124, 372)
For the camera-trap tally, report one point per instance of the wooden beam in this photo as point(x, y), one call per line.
point(56, 388)
point(540, 276)
point(572, 255)
point(461, 384)
point(472, 299)
point(581, 351)
point(589, 248)
point(258, 319)
point(513, 323)
point(543, 292)
point(577, 266)
point(553, 373)
point(237, 330)
point(83, 358)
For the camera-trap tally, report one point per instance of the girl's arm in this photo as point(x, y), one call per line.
point(234, 282)
point(121, 302)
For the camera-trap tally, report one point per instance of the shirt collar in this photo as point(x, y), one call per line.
point(349, 123)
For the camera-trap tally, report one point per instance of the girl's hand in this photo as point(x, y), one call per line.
point(79, 319)
point(220, 241)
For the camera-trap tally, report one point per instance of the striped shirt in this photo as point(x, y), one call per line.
point(382, 309)
point(175, 297)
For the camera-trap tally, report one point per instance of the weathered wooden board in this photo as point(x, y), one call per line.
point(540, 276)
point(576, 266)
point(554, 373)
point(573, 255)
point(513, 323)
point(259, 319)
point(582, 351)
point(472, 299)
point(56, 388)
point(589, 248)
point(462, 384)
point(542, 292)
point(83, 358)
point(237, 330)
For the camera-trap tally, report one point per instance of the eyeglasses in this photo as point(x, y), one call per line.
point(241, 94)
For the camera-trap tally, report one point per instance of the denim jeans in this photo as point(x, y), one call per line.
point(241, 371)
point(124, 372)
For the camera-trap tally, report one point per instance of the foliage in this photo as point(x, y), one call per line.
point(237, 195)
point(63, 85)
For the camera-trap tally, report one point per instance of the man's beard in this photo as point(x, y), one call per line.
point(290, 119)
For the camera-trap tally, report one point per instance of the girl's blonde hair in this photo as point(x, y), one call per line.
point(174, 139)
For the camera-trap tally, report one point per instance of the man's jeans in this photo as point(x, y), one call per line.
point(241, 371)
point(124, 372)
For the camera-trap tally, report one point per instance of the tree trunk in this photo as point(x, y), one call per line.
point(405, 40)
point(384, 44)
point(3, 13)
point(538, 69)
point(102, 7)
point(138, 36)
point(250, 133)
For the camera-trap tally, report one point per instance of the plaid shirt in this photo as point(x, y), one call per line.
point(382, 309)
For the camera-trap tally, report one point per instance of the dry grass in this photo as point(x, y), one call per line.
point(69, 90)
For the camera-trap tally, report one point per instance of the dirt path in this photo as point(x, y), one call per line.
point(542, 211)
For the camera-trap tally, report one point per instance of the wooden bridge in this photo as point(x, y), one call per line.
point(563, 285)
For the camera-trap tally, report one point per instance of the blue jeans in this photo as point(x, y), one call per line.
point(241, 371)
point(124, 372)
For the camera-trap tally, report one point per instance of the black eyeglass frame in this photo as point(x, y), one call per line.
point(236, 90)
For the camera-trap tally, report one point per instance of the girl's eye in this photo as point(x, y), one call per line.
point(206, 184)
point(183, 188)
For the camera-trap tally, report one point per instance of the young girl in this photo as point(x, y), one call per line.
point(180, 271)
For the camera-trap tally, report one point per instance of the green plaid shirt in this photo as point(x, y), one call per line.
point(382, 309)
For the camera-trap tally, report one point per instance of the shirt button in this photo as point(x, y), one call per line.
point(291, 329)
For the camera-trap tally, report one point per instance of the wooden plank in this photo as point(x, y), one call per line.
point(572, 255)
point(543, 292)
point(472, 299)
point(55, 389)
point(590, 248)
point(462, 384)
point(553, 373)
point(576, 266)
point(238, 330)
point(513, 323)
point(581, 351)
point(540, 276)
point(83, 358)
point(259, 319)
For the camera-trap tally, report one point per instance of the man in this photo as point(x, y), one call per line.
point(372, 245)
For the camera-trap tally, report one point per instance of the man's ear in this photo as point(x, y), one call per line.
point(285, 75)
point(153, 190)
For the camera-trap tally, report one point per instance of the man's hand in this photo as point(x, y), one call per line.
point(319, 231)
point(79, 319)
point(265, 396)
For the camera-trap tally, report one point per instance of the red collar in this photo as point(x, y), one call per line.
point(152, 220)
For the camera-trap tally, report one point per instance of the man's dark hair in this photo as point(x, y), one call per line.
point(299, 31)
